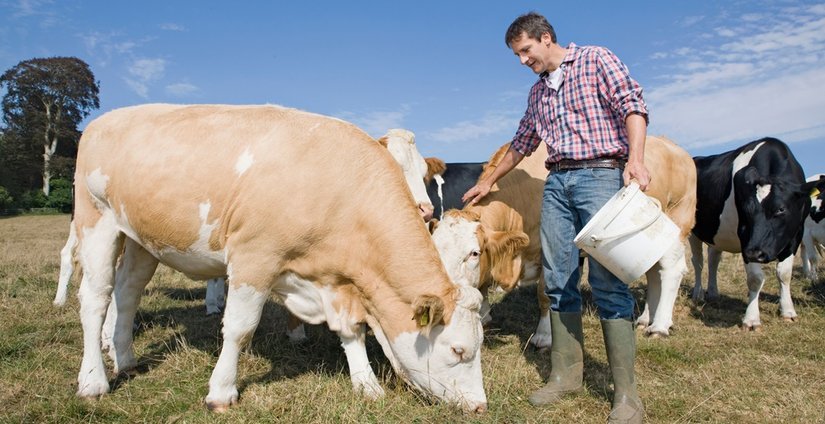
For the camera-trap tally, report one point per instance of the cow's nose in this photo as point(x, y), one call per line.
point(426, 211)
point(757, 255)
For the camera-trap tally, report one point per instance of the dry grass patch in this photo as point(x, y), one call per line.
point(707, 371)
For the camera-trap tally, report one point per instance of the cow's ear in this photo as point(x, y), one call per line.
point(753, 177)
point(504, 250)
point(813, 188)
point(428, 312)
point(435, 166)
point(432, 225)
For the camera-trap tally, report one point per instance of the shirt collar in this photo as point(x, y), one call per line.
point(555, 79)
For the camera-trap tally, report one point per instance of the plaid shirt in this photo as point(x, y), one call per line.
point(584, 119)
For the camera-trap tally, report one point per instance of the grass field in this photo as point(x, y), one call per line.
point(707, 371)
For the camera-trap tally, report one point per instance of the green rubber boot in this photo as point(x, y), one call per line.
point(620, 341)
point(566, 359)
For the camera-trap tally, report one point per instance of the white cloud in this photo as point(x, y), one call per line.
point(144, 71)
point(690, 21)
point(147, 69)
point(491, 124)
point(764, 78)
point(181, 89)
point(172, 27)
point(43, 9)
point(376, 123)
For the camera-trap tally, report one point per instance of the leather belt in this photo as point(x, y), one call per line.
point(566, 164)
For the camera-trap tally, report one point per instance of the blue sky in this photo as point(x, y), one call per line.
point(716, 74)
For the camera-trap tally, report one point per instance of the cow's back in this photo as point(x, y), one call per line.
point(186, 178)
point(514, 202)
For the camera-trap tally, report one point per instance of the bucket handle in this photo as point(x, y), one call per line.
point(600, 238)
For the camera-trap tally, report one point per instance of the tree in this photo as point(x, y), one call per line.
point(45, 101)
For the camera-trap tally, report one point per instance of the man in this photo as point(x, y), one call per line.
point(591, 115)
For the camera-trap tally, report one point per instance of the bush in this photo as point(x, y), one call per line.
point(5, 198)
point(60, 195)
point(32, 199)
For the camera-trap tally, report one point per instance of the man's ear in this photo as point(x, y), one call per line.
point(546, 39)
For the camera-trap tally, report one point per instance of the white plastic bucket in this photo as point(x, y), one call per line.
point(628, 234)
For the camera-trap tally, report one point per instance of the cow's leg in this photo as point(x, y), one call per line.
point(671, 268)
point(697, 259)
point(807, 251)
point(99, 249)
point(755, 280)
point(240, 319)
point(543, 337)
point(784, 271)
point(360, 371)
point(295, 329)
point(714, 256)
point(215, 297)
point(654, 293)
point(66, 267)
point(133, 274)
point(654, 290)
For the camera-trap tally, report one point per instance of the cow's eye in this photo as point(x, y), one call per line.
point(474, 254)
point(779, 212)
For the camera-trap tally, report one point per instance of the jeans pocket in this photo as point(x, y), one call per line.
point(605, 174)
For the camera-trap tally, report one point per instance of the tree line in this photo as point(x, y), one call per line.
point(44, 101)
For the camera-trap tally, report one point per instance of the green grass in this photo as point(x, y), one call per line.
point(707, 371)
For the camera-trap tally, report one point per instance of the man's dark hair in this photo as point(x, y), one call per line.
point(532, 24)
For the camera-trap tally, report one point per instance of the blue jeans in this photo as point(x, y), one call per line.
point(570, 199)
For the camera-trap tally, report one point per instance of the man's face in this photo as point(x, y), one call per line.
point(535, 54)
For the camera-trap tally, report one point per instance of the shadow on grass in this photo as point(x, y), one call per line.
point(517, 314)
point(722, 312)
point(321, 353)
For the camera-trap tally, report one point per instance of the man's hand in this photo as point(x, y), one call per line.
point(476, 193)
point(636, 171)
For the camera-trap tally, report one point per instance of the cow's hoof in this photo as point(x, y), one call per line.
point(751, 327)
point(93, 391)
point(657, 334)
point(217, 408)
point(789, 319)
point(223, 401)
point(541, 342)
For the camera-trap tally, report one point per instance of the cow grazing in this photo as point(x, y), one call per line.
point(283, 202)
point(752, 200)
point(813, 237)
point(447, 182)
point(497, 240)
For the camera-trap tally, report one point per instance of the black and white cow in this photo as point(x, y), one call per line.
point(447, 186)
point(752, 200)
point(813, 238)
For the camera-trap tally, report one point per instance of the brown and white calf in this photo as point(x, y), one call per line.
point(497, 240)
point(283, 202)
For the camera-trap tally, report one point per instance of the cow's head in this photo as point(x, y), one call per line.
point(439, 352)
point(474, 255)
point(817, 200)
point(771, 213)
point(401, 145)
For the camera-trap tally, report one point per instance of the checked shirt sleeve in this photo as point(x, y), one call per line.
point(622, 91)
point(527, 139)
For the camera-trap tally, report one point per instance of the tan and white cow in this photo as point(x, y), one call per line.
point(283, 202)
point(399, 142)
point(494, 230)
